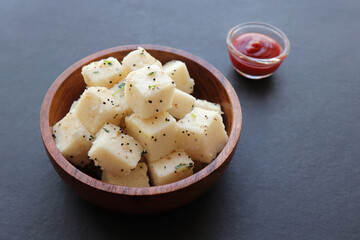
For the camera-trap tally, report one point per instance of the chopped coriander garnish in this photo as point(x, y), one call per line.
point(184, 166)
point(106, 130)
point(150, 73)
point(108, 62)
point(180, 166)
point(193, 115)
point(121, 87)
point(96, 72)
point(152, 87)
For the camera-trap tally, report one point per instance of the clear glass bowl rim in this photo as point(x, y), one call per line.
point(266, 61)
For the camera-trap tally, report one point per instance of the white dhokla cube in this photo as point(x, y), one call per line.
point(103, 73)
point(149, 91)
point(118, 92)
point(114, 151)
point(171, 168)
point(182, 104)
point(96, 106)
point(137, 59)
point(73, 105)
point(179, 73)
point(136, 178)
point(208, 105)
point(73, 139)
point(157, 134)
point(202, 134)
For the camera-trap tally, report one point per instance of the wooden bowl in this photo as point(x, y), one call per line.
point(210, 84)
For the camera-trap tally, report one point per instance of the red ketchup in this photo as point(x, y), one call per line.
point(258, 46)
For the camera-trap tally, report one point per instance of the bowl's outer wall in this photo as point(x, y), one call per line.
point(209, 84)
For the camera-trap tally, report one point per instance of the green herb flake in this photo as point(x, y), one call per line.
point(121, 87)
point(106, 130)
point(150, 73)
point(152, 87)
point(108, 62)
point(181, 165)
point(193, 115)
point(184, 167)
point(91, 137)
point(96, 72)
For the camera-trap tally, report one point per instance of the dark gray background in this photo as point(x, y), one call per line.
point(296, 171)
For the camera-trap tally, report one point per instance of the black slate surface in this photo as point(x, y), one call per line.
point(296, 171)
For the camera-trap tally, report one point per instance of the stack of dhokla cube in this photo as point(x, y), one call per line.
point(138, 120)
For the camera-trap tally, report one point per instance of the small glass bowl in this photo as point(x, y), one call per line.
point(257, 68)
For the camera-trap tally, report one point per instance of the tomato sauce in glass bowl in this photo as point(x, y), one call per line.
point(257, 49)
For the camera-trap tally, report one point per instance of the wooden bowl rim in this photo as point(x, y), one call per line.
point(66, 166)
